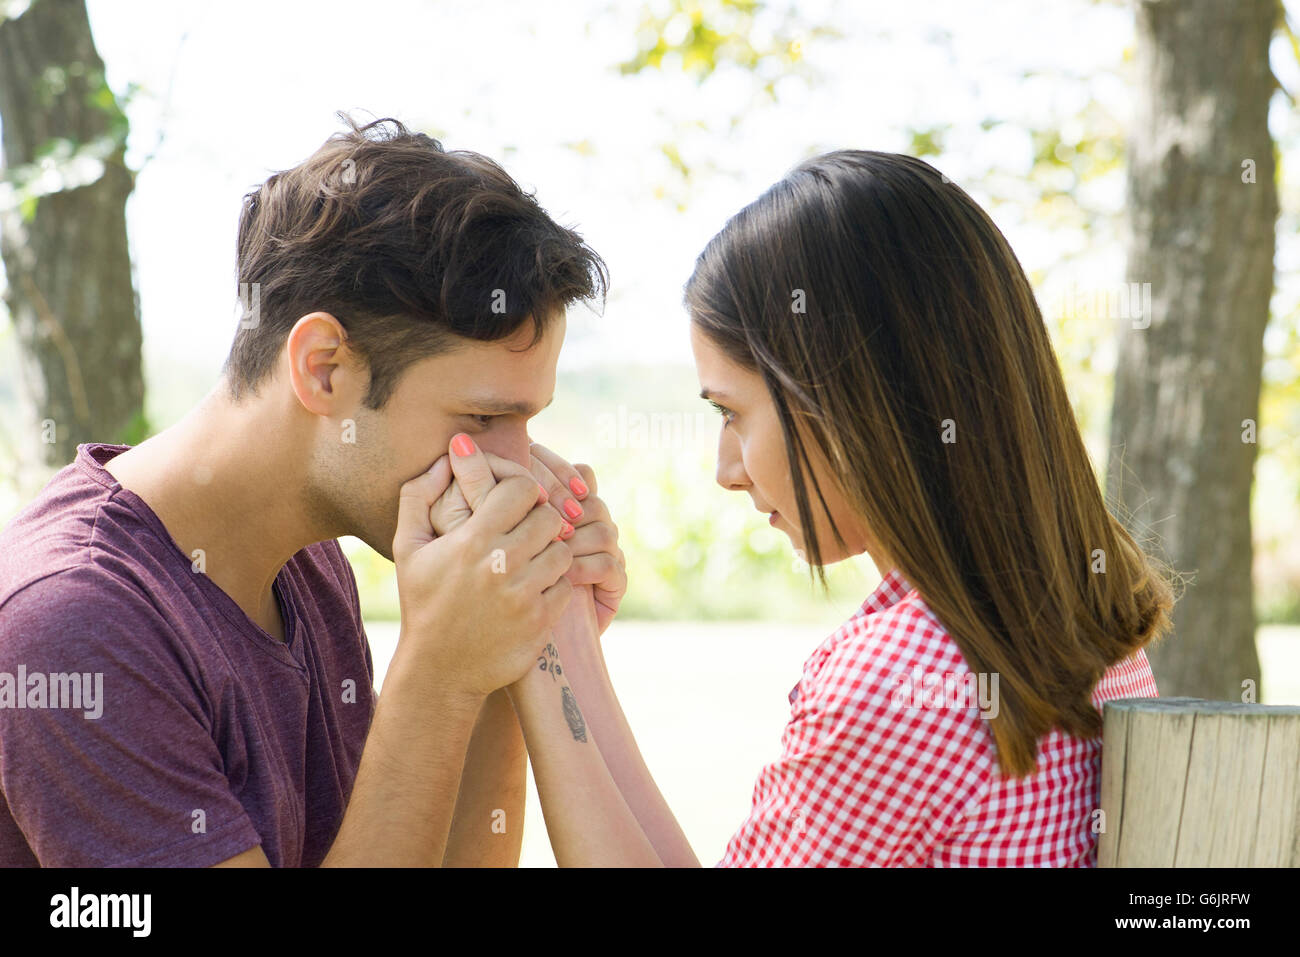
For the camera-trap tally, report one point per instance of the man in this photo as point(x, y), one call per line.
point(184, 677)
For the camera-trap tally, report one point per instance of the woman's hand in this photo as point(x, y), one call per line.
point(589, 531)
point(480, 587)
point(597, 559)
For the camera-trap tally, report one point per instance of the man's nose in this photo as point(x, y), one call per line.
point(509, 442)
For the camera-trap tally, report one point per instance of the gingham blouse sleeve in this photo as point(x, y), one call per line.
point(863, 781)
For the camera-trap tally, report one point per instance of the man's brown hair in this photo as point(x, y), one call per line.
point(408, 245)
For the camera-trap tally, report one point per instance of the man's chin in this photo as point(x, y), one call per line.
point(384, 546)
point(381, 543)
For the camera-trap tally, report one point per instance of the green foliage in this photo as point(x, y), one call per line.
point(702, 36)
point(135, 431)
point(766, 42)
point(376, 581)
point(927, 142)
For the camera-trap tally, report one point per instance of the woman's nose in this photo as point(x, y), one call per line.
point(731, 473)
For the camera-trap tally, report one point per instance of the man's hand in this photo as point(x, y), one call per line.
point(478, 602)
point(597, 559)
point(588, 530)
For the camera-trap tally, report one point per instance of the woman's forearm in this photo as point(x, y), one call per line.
point(589, 678)
point(589, 823)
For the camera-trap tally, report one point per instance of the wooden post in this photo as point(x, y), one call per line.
point(1193, 783)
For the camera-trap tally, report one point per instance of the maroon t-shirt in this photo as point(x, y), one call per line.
point(145, 720)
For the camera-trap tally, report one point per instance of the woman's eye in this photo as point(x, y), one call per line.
point(722, 410)
point(483, 420)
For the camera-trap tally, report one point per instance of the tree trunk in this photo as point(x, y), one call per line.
point(1202, 210)
point(70, 289)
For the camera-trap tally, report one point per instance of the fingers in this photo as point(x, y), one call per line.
point(475, 476)
point(539, 528)
point(473, 473)
point(450, 510)
point(502, 467)
point(594, 537)
point(508, 504)
point(588, 477)
point(556, 599)
point(548, 568)
point(560, 498)
point(548, 483)
point(476, 472)
point(579, 485)
point(417, 496)
point(593, 569)
point(566, 486)
point(563, 489)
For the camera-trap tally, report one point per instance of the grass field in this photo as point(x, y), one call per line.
point(707, 702)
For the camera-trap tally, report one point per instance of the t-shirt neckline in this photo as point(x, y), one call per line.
point(90, 462)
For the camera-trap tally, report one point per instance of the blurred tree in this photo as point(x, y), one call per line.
point(63, 231)
point(1203, 206)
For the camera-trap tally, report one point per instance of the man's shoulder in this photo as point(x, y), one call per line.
point(326, 554)
point(51, 534)
point(76, 597)
point(324, 568)
point(79, 530)
point(86, 619)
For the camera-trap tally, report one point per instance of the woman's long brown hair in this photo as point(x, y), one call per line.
point(896, 331)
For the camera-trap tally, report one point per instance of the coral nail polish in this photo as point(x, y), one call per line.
point(462, 445)
point(572, 509)
point(578, 486)
point(565, 531)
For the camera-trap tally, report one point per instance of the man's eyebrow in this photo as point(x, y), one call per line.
point(485, 406)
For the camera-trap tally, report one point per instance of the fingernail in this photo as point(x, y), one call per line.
point(572, 509)
point(462, 445)
point(541, 493)
point(565, 531)
point(578, 486)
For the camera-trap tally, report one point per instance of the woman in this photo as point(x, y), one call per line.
point(887, 385)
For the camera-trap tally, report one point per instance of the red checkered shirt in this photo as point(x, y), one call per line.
point(882, 766)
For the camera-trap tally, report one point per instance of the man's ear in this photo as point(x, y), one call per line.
point(322, 369)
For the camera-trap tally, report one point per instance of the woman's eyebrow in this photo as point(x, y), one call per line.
point(712, 394)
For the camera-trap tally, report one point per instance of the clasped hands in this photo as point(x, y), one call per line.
point(504, 560)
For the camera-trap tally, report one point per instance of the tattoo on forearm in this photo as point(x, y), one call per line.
point(549, 661)
point(577, 726)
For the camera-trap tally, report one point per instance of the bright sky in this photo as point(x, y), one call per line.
point(250, 88)
point(254, 88)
